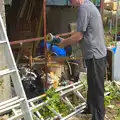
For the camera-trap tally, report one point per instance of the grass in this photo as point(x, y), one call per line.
point(106, 29)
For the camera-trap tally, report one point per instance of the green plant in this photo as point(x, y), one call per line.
point(114, 90)
point(107, 100)
point(54, 102)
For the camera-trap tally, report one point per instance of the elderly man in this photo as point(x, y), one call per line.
point(90, 36)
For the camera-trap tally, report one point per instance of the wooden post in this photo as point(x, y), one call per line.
point(102, 8)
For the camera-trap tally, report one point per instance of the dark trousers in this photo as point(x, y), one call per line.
point(95, 79)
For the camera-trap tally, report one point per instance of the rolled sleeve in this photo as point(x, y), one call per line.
point(82, 20)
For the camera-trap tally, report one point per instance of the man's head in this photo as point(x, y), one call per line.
point(76, 2)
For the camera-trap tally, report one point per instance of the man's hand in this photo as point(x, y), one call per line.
point(61, 40)
point(74, 39)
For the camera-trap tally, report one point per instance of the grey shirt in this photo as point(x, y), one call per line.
point(90, 23)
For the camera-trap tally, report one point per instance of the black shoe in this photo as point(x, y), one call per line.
point(86, 111)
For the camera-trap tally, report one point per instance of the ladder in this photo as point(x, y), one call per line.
point(64, 95)
point(11, 69)
point(36, 105)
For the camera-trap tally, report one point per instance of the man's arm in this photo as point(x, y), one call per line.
point(73, 39)
point(82, 23)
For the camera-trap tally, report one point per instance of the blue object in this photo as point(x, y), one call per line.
point(54, 49)
point(58, 2)
point(114, 50)
point(97, 3)
point(65, 2)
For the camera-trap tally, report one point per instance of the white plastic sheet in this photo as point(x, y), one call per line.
point(117, 63)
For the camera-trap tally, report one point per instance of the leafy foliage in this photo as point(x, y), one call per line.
point(114, 90)
point(54, 103)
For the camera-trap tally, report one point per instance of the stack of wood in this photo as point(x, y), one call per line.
point(24, 19)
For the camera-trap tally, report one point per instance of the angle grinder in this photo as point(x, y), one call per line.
point(52, 39)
